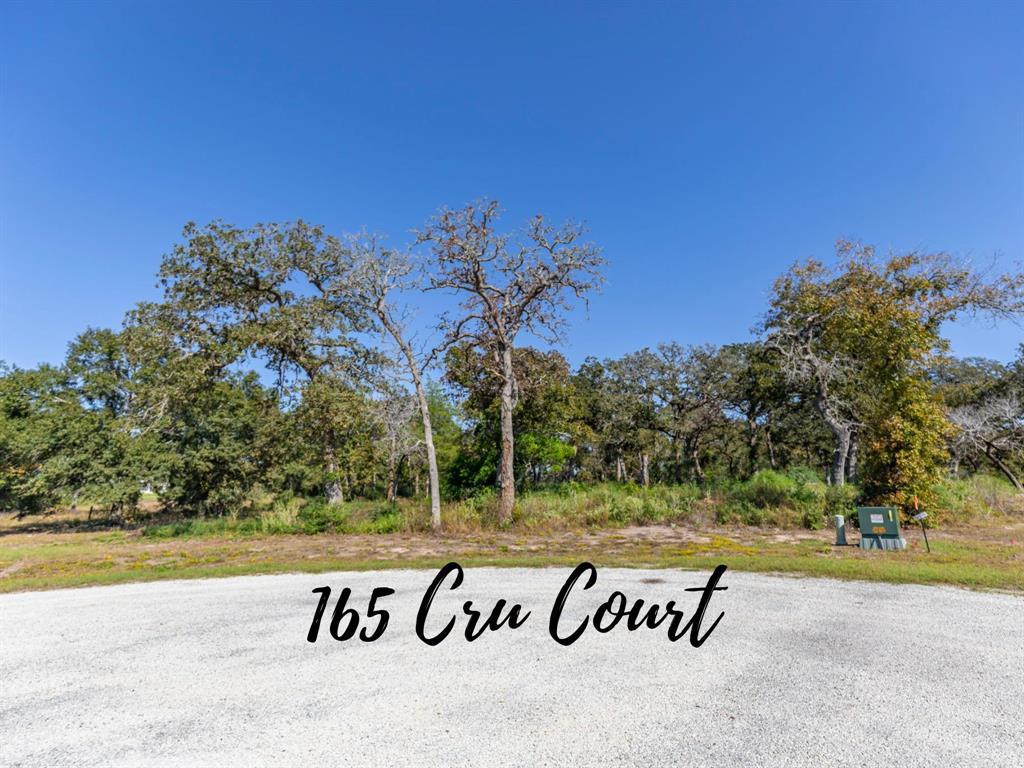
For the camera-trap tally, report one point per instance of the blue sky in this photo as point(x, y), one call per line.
point(707, 145)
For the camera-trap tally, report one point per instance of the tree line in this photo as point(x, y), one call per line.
point(284, 358)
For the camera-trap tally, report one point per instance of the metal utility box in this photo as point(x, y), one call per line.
point(880, 528)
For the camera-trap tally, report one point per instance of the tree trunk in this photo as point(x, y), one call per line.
point(771, 448)
point(428, 439)
point(506, 472)
point(1003, 468)
point(645, 470)
point(841, 432)
point(620, 468)
point(421, 399)
point(851, 459)
point(392, 489)
point(837, 474)
point(677, 456)
point(695, 458)
point(332, 488)
point(751, 445)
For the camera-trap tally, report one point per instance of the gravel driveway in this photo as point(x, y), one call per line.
point(799, 672)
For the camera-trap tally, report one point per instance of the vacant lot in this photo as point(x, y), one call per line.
point(67, 550)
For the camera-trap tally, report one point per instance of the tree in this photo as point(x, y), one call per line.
point(805, 327)
point(962, 381)
point(395, 413)
point(34, 404)
point(378, 275)
point(862, 336)
point(507, 284)
point(210, 452)
point(65, 433)
point(546, 418)
point(99, 443)
point(752, 386)
point(984, 398)
point(601, 435)
point(280, 292)
point(686, 385)
point(673, 392)
point(993, 428)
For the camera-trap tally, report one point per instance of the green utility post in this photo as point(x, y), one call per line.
point(880, 528)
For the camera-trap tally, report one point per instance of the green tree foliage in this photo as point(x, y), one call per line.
point(33, 404)
point(862, 336)
point(256, 377)
point(211, 454)
point(64, 431)
point(547, 417)
point(280, 292)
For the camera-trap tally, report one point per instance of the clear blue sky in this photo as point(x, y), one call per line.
point(707, 145)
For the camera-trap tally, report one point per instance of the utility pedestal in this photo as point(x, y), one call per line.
point(880, 528)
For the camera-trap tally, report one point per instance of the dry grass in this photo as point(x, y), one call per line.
point(989, 556)
point(980, 544)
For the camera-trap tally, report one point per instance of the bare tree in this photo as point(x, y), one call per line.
point(378, 276)
point(806, 362)
point(395, 413)
point(508, 284)
point(992, 428)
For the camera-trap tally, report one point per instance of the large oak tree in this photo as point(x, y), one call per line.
point(280, 292)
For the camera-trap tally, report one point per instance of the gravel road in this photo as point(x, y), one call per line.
point(799, 672)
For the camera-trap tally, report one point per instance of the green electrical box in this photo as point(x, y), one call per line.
point(880, 528)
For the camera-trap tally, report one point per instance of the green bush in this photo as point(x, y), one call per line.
point(196, 526)
point(739, 511)
point(768, 488)
point(317, 516)
point(812, 518)
point(768, 498)
point(374, 518)
point(796, 497)
point(841, 499)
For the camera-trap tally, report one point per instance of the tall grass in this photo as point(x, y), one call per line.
point(985, 496)
point(791, 499)
point(298, 516)
point(573, 506)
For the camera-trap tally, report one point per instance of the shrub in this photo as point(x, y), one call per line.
point(317, 516)
point(768, 488)
point(733, 511)
point(841, 499)
point(796, 497)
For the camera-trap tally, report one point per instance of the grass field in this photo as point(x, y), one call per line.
point(66, 550)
